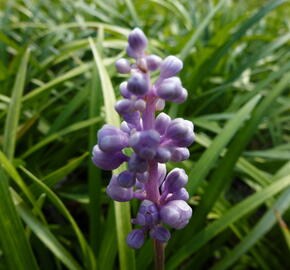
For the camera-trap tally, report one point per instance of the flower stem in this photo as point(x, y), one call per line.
point(159, 255)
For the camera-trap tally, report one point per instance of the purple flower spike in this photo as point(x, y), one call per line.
point(123, 66)
point(135, 239)
point(118, 193)
point(137, 85)
point(160, 233)
point(176, 214)
point(137, 40)
point(170, 66)
point(153, 141)
point(106, 160)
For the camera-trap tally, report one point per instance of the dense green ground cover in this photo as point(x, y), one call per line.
point(56, 88)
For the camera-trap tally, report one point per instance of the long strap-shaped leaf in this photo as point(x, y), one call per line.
point(222, 175)
point(209, 157)
point(235, 213)
point(86, 250)
point(122, 210)
point(16, 248)
point(44, 234)
point(211, 62)
point(17, 251)
point(262, 227)
point(14, 109)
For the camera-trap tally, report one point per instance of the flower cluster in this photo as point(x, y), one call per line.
point(153, 142)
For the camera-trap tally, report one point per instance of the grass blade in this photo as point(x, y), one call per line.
point(262, 227)
point(56, 176)
point(231, 216)
point(94, 176)
point(87, 252)
point(196, 34)
point(221, 176)
point(133, 12)
point(57, 135)
point(210, 156)
point(208, 65)
point(45, 235)
point(13, 114)
point(17, 251)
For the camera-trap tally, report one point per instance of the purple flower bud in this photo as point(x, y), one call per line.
point(176, 214)
point(118, 193)
point(137, 164)
point(177, 129)
point(163, 155)
point(160, 233)
point(132, 53)
point(175, 180)
point(124, 91)
point(123, 66)
point(153, 62)
point(170, 89)
point(160, 104)
point(179, 154)
point(145, 143)
point(170, 66)
point(112, 139)
point(181, 194)
point(182, 97)
point(126, 179)
point(141, 64)
point(140, 105)
point(124, 106)
point(162, 122)
point(125, 128)
point(137, 40)
point(106, 160)
point(148, 214)
point(181, 132)
point(138, 85)
point(161, 173)
point(132, 118)
point(135, 239)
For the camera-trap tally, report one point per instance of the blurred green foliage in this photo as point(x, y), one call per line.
point(236, 57)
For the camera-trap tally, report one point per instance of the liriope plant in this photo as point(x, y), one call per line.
point(146, 142)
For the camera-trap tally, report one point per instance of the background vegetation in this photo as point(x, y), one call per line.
point(56, 74)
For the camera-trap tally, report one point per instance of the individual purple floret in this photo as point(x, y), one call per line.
point(153, 139)
point(176, 214)
point(135, 239)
